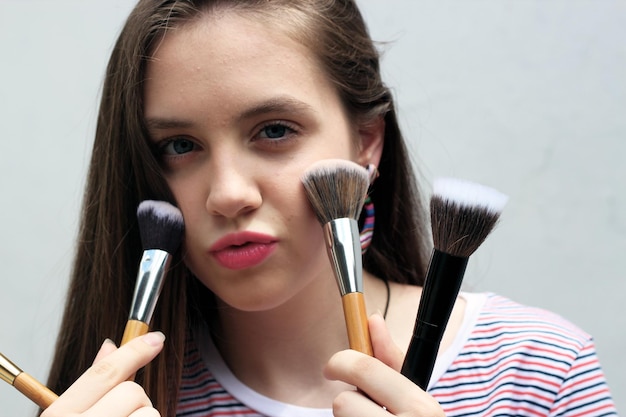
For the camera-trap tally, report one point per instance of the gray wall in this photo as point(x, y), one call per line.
point(528, 97)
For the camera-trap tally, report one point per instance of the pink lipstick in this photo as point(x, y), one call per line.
point(243, 250)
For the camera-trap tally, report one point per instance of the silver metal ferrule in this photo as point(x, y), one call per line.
point(154, 263)
point(344, 249)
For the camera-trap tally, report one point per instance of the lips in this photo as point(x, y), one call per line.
point(243, 250)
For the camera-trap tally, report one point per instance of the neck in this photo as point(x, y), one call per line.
point(281, 352)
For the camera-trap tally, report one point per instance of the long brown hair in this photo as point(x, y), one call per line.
point(124, 171)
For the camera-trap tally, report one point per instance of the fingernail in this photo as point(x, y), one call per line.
point(108, 341)
point(153, 338)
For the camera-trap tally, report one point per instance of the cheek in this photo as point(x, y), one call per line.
point(190, 201)
point(287, 195)
point(288, 198)
point(189, 193)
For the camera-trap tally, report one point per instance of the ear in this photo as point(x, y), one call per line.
point(372, 139)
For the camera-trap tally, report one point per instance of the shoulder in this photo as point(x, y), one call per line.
point(526, 346)
point(523, 358)
point(503, 317)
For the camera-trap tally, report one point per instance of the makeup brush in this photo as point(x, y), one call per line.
point(462, 216)
point(26, 384)
point(337, 189)
point(161, 228)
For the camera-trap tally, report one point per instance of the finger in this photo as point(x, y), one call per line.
point(382, 343)
point(355, 404)
point(109, 372)
point(123, 400)
point(381, 383)
point(107, 348)
point(146, 412)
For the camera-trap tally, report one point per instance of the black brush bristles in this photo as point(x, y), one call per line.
point(161, 225)
point(463, 214)
point(336, 188)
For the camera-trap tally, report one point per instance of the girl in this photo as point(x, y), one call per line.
point(219, 107)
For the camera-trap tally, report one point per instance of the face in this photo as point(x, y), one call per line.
point(238, 112)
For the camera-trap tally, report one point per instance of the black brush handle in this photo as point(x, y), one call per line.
point(443, 282)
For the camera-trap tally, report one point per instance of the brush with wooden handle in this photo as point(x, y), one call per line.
point(25, 383)
point(337, 190)
point(161, 228)
point(462, 214)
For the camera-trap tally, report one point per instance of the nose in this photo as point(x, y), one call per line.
point(233, 189)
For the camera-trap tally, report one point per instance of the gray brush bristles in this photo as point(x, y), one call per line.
point(463, 214)
point(161, 225)
point(336, 188)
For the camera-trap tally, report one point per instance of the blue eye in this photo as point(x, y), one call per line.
point(178, 147)
point(274, 131)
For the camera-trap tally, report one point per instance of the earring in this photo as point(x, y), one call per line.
point(367, 231)
point(372, 172)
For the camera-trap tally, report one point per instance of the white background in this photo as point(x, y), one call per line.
point(526, 96)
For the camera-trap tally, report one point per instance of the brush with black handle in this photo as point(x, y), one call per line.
point(161, 227)
point(337, 189)
point(463, 214)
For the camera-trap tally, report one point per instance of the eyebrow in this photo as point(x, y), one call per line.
point(280, 104)
point(158, 123)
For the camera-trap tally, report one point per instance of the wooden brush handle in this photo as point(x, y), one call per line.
point(356, 322)
point(34, 390)
point(134, 328)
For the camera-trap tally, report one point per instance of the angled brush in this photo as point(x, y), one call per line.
point(26, 384)
point(337, 189)
point(462, 214)
point(161, 228)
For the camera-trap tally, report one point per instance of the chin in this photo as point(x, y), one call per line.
point(254, 303)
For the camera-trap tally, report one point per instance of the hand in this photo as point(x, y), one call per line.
point(383, 391)
point(103, 390)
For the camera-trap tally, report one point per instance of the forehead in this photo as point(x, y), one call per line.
point(227, 52)
point(231, 39)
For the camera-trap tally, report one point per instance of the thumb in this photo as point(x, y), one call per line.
point(384, 348)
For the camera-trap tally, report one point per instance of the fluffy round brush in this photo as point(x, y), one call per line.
point(462, 214)
point(337, 189)
point(161, 228)
point(161, 225)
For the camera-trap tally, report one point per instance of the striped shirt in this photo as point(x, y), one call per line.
point(506, 360)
